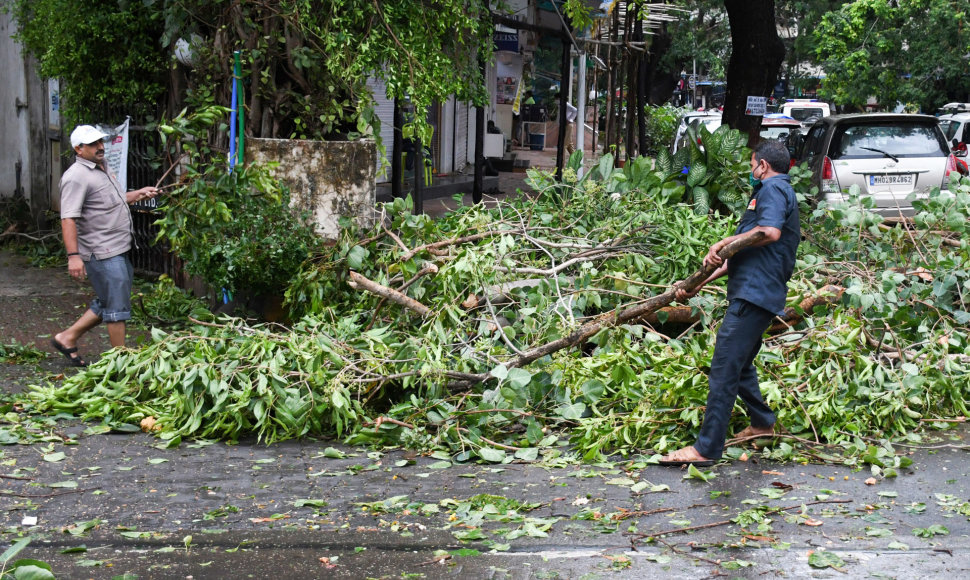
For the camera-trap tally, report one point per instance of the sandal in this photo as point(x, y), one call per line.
point(69, 353)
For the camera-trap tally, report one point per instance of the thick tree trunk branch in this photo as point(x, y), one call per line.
point(829, 294)
point(358, 281)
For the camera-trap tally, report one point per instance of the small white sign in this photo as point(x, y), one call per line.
point(757, 106)
point(29, 521)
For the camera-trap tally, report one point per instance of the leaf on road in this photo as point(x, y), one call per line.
point(694, 473)
point(825, 560)
point(63, 484)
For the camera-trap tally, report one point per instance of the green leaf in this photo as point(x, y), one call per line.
point(519, 378)
point(527, 454)
point(572, 412)
point(593, 390)
point(31, 570)
point(468, 535)
point(333, 453)
point(825, 559)
point(492, 455)
point(665, 162)
point(13, 550)
point(694, 473)
point(54, 457)
point(356, 257)
point(500, 372)
point(897, 546)
point(696, 174)
point(63, 484)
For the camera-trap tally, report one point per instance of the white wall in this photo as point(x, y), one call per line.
point(14, 121)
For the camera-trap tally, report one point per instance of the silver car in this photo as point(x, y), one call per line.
point(710, 119)
point(890, 157)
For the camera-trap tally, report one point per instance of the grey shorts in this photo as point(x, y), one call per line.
point(112, 280)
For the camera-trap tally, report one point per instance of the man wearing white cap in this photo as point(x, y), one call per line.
point(97, 228)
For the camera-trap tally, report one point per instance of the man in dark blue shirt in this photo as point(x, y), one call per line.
point(757, 287)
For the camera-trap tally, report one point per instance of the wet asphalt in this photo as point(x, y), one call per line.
point(121, 505)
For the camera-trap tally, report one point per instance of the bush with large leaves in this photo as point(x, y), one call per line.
point(711, 169)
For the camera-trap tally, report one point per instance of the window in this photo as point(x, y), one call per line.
point(806, 113)
point(814, 141)
point(870, 141)
point(949, 128)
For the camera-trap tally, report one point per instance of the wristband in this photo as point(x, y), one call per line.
point(69, 254)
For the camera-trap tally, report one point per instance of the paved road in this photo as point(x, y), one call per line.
point(297, 509)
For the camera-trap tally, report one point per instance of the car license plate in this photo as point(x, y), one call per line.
point(906, 179)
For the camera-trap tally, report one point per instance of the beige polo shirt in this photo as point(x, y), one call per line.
point(93, 198)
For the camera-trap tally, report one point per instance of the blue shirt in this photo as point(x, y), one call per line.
point(760, 275)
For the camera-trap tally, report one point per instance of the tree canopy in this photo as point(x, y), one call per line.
point(908, 51)
point(307, 62)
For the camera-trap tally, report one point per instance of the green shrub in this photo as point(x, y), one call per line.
point(233, 229)
point(661, 124)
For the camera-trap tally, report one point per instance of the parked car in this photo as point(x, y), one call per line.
point(806, 111)
point(710, 119)
point(773, 126)
point(956, 129)
point(778, 126)
point(784, 129)
point(889, 156)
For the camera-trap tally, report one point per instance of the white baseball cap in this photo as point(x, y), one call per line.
point(85, 135)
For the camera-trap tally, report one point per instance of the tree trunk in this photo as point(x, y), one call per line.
point(397, 154)
point(563, 99)
point(631, 88)
point(641, 88)
point(756, 55)
point(661, 89)
point(615, 79)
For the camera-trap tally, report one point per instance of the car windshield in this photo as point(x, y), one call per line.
point(902, 139)
point(805, 113)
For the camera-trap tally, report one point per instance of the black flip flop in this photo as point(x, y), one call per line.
point(682, 463)
point(67, 352)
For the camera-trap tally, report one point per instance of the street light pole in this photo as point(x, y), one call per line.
point(581, 108)
point(693, 98)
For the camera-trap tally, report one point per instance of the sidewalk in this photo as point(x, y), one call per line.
point(509, 182)
point(118, 503)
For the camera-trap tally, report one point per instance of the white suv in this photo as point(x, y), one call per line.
point(956, 129)
point(888, 156)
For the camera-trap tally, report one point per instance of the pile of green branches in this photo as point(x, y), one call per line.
point(412, 333)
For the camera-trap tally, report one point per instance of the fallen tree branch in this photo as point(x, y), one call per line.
point(612, 319)
point(452, 241)
point(549, 272)
point(359, 281)
point(830, 294)
point(429, 268)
